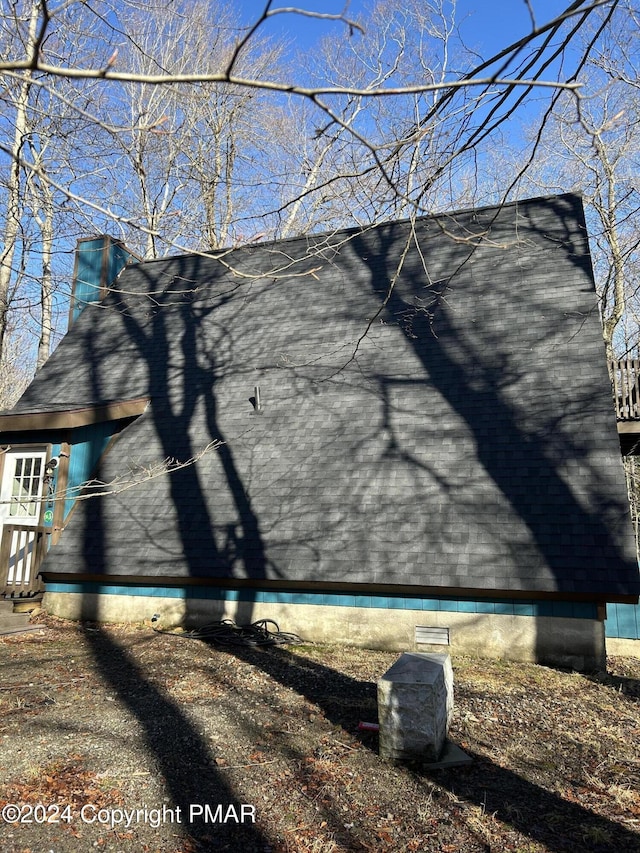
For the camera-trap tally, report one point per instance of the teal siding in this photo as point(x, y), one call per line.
point(89, 271)
point(118, 259)
point(623, 621)
point(88, 445)
point(565, 609)
point(88, 274)
point(49, 505)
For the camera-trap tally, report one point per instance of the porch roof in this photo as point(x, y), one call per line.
point(70, 415)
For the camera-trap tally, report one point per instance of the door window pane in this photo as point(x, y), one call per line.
point(26, 487)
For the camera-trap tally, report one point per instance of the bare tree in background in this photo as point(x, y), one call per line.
point(44, 138)
point(336, 180)
point(591, 144)
point(186, 158)
point(178, 146)
point(15, 185)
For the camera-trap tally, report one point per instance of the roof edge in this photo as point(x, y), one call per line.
point(448, 592)
point(346, 231)
point(74, 416)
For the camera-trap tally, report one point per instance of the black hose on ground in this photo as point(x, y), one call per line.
point(226, 633)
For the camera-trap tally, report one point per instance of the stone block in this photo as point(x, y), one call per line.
point(415, 705)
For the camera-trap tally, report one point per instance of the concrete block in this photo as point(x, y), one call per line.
point(415, 704)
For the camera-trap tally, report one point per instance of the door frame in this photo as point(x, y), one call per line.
point(37, 543)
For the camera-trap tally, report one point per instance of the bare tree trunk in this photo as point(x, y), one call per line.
point(606, 207)
point(14, 188)
point(45, 222)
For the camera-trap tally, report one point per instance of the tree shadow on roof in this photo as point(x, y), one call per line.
point(180, 753)
point(565, 529)
point(446, 358)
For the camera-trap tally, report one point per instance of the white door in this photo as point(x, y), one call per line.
point(20, 492)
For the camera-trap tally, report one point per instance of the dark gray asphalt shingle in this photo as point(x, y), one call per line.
point(468, 440)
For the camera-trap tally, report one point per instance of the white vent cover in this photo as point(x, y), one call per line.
point(432, 636)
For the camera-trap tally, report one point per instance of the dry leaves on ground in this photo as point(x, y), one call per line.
point(143, 736)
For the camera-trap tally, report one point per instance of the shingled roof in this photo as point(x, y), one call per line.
point(454, 431)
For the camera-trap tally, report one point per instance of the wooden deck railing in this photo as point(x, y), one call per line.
point(625, 374)
point(22, 551)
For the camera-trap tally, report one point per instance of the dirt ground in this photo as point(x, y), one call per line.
point(123, 739)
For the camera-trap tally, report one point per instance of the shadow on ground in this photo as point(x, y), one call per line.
point(177, 752)
point(543, 816)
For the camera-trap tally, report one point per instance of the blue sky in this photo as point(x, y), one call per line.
point(486, 26)
point(491, 26)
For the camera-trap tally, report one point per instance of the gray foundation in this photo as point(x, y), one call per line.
point(557, 641)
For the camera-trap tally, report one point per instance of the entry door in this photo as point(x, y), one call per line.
point(20, 491)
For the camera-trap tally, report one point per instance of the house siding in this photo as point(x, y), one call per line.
point(437, 457)
point(99, 260)
point(623, 622)
point(453, 433)
point(501, 606)
point(87, 446)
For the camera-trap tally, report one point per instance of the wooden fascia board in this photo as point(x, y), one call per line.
point(362, 589)
point(628, 427)
point(71, 418)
